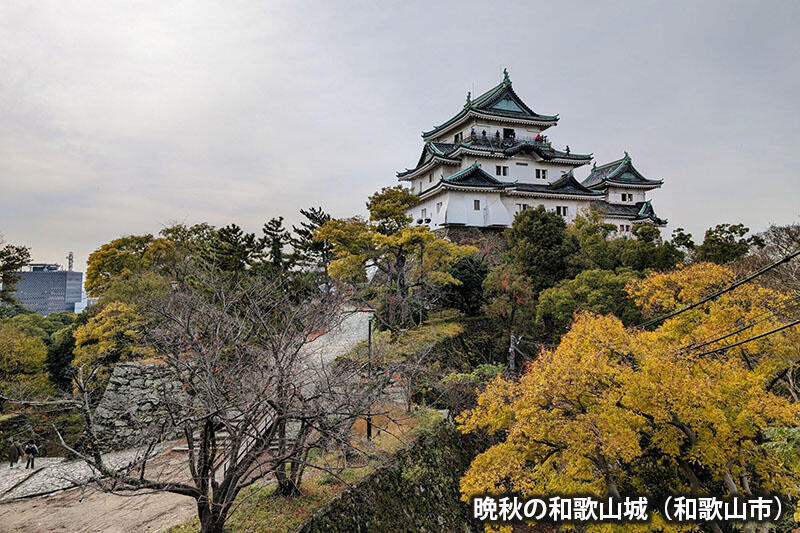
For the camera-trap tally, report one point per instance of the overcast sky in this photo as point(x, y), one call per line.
point(118, 118)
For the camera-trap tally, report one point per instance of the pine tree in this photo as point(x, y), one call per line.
point(307, 252)
point(275, 239)
point(233, 250)
point(12, 258)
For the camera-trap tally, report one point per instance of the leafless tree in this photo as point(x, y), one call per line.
point(779, 241)
point(253, 398)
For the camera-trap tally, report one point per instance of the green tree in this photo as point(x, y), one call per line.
point(274, 242)
point(595, 241)
point(647, 251)
point(467, 295)
point(22, 363)
point(232, 249)
point(60, 354)
point(308, 252)
point(113, 334)
point(602, 248)
point(123, 258)
point(12, 258)
point(188, 242)
point(683, 240)
point(387, 209)
point(36, 325)
point(409, 259)
point(599, 291)
point(541, 248)
point(725, 243)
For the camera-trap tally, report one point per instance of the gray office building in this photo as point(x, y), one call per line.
point(47, 288)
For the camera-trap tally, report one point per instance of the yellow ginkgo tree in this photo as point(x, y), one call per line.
point(672, 410)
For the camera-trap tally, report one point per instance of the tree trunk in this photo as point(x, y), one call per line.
point(210, 522)
point(287, 486)
point(284, 483)
point(402, 291)
point(690, 476)
point(512, 353)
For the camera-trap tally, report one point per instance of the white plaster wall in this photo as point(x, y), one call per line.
point(495, 209)
point(429, 204)
point(613, 195)
point(550, 204)
point(521, 173)
point(461, 210)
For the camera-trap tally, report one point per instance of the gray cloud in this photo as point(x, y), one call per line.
point(120, 117)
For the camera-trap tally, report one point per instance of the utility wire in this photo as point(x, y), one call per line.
point(761, 336)
point(793, 303)
point(720, 292)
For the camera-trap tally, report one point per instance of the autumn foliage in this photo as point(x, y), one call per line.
point(615, 410)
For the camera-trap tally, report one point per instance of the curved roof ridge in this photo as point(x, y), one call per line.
point(486, 103)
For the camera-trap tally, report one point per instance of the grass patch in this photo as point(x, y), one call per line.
point(259, 509)
point(386, 349)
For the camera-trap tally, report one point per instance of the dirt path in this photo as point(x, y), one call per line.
point(98, 512)
point(64, 511)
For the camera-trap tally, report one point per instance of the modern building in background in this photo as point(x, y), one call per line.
point(47, 288)
point(492, 160)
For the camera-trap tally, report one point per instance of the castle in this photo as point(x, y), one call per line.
point(492, 160)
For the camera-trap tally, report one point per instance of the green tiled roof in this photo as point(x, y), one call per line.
point(475, 176)
point(565, 185)
point(620, 172)
point(500, 101)
point(429, 151)
point(491, 145)
point(638, 212)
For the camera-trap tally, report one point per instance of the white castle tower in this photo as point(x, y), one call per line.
point(493, 159)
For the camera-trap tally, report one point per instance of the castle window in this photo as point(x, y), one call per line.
point(508, 133)
point(522, 164)
point(522, 207)
point(438, 206)
point(501, 171)
point(476, 205)
point(424, 214)
point(458, 136)
point(561, 210)
point(627, 197)
point(430, 177)
point(541, 174)
point(625, 228)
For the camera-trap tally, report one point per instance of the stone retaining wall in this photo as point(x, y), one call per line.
point(133, 407)
point(491, 242)
point(418, 491)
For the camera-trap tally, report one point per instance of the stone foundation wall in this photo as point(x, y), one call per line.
point(418, 491)
point(491, 242)
point(134, 404)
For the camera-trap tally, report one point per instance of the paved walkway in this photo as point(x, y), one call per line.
point(351, 330)
point(54, 473)
point(11, 477)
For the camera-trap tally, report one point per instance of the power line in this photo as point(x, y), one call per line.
point(730, 331)
point(735, 344)
point(720, 292)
